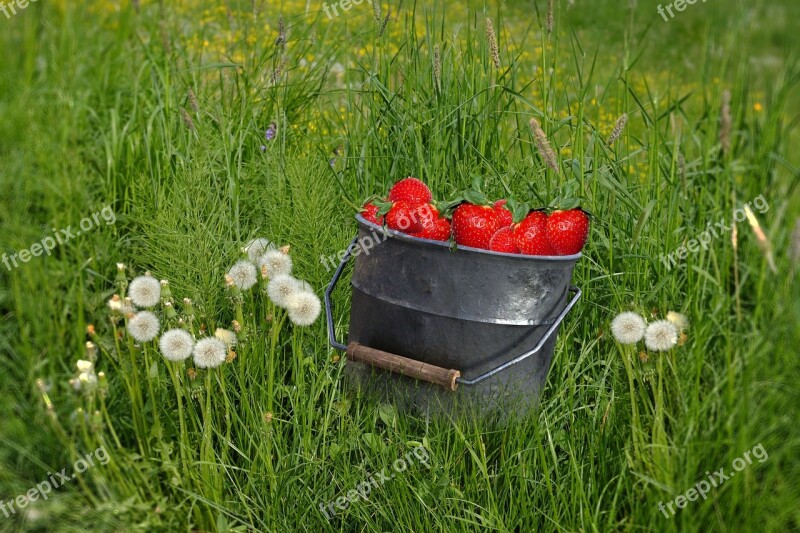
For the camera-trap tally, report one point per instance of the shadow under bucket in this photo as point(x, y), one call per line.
point(440, 330)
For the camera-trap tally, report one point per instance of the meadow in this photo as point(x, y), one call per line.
point(201, 126)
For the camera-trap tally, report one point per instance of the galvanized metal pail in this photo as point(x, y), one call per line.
point(436, 329)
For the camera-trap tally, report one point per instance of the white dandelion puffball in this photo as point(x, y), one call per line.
point(176, 344)
point(226, 336)
point(680, 320)
point(209, 352)
point(281, 288)
point(628, 328)
point(304, 308)
point(661, 336)
point(277, 263)
point(243, 274)
point(257, 248)
point(143, 326)
point(145, 291)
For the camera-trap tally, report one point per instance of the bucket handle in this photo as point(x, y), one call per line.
point(446, 378)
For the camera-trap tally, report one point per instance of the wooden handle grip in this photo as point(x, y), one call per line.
point(403, 365)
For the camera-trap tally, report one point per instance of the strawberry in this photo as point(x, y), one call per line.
point(410, 190)
point(474, 225)
point(437, 230)
point(426, 215)
point(503, 241)
point(530, 235)
point(567, 231)
point(370, 213)
point(504, 216)
point(433, 226)
point(403, 217)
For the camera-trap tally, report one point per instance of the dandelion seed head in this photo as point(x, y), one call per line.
point(661, 336)
point(145, 291)
point(628, 328)
point(281, 288)
point(243, 274)
point(277, 263)
point(176, 344)
point(304, 308)
point(209, 352)
point(143, 326)
point(257, 248)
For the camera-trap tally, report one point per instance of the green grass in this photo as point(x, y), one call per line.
point(93, 104)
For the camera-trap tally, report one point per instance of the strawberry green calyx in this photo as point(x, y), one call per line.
point(519, 210)
point(383, 206)
point(476, 197)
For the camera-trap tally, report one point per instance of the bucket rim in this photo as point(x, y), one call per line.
point(446, 244)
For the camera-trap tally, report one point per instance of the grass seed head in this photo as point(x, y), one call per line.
point(491, 36)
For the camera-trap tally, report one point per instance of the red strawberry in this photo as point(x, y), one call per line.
point(504, 216)
point(438, 230)
point(433, 226)
point(503, 241)
point(426, 215)
point(567, 231)
point(403, 217)
point(530, 235)
point(370, 213)
point(410, 190)
point(474, 225)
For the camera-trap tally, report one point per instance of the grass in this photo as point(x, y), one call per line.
point(97, 112)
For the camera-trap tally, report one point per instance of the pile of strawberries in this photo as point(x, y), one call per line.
point(479, 223)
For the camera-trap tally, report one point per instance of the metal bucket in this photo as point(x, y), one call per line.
point(478, 327)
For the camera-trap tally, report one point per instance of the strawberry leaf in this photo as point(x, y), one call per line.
point(569, 203)
point(477, 183)
point(476, 197)
point(520, 212)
